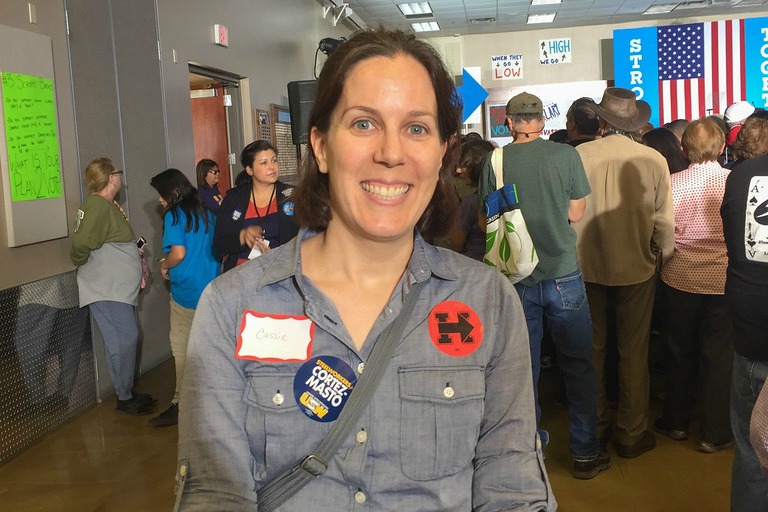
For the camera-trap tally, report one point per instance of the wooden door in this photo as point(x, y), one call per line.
point(209, 124)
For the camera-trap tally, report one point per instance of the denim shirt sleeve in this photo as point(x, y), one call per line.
point(509, 464)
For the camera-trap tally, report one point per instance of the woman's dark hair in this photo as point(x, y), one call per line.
point(473, 154)
point(560, 136)
point(202, 169)
point(243, 178)
point(666, 142)
point(181, 196)
point(251, 150)
point(247, 156)
point(583, 117)
point(312, 196)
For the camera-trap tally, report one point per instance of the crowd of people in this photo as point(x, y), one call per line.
point(628, 221)
point(671, 227)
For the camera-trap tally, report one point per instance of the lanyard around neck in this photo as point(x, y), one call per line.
point(256, 206)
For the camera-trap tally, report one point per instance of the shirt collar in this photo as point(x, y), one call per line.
point(425, 260)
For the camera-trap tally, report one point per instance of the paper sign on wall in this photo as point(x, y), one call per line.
point(555, 51)
point(31, 136)
point(507, 67)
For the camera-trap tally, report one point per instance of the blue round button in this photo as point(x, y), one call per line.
point(322, 386)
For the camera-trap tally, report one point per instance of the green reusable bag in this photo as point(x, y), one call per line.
point(508, 246)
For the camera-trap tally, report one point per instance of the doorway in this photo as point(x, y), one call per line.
point(214, 96)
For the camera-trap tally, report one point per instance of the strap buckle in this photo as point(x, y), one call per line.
point(314, 465)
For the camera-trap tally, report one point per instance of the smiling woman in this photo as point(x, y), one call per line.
point(447, 417)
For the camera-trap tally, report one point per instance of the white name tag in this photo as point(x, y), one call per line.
point(276, 338)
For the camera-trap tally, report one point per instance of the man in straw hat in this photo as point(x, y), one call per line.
point(626, 233)
point(552, 186)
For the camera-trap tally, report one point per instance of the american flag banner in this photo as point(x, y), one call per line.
point(701, 69)
point(693, 70)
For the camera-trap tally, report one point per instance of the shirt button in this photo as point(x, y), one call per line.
point(362, 436)
point(360, 367)
point(278, 399)
point(448, 392)
point(360, 497)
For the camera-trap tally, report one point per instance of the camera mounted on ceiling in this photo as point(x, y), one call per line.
point(328, 45)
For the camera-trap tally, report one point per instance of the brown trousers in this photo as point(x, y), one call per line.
point(633, 306)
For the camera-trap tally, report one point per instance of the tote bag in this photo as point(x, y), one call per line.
point(508, 246)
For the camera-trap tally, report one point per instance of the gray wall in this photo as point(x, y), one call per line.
point(20, 265)
point(272, 42)
point(125, 100)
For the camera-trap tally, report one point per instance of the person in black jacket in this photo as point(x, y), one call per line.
point(257, 215)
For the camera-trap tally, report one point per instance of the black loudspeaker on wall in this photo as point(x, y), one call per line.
point(301, 96)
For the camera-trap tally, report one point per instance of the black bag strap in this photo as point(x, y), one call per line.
point(278, 490)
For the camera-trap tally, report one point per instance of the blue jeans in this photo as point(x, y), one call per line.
point(118, 327)
point(563, 303)
point(749, 488)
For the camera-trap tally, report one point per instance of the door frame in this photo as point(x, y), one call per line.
point(237, 130)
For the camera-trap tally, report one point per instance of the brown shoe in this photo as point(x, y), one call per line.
point(585, 470)
point(646, 443)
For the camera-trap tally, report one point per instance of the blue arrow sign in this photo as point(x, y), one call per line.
point(471, 93)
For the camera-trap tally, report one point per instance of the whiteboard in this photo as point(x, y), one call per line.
point(34, 208)
point(555, 98)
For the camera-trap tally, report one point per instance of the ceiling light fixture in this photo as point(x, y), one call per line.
point(660, 9)
point(541, 18)
point(698, 4)
point(546, 2)
point(427, 26)
point(745, 3)
point(416, 10)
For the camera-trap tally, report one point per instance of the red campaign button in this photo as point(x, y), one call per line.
point(455, 328)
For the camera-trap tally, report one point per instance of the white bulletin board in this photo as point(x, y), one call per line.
point(34, 209)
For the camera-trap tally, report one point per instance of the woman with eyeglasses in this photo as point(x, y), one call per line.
point(109, 278)
point(208, 183)
point(257, 215)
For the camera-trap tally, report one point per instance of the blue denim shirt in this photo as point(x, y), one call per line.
point(443, 432)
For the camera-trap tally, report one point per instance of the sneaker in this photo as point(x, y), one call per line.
point(646, 443)
point(134, 407)
point(662, 426)
point(706, 447)
point(168, 417)
point(585, 470)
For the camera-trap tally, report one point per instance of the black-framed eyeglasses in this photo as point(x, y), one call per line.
point(117, 172)
point(216, 172)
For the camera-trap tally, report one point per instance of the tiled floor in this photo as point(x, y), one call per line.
point(107, 462)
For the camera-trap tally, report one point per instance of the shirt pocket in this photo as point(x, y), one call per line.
point(276, 428)
point(441, 412)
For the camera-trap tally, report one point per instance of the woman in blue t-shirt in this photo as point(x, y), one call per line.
point(190, 264)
